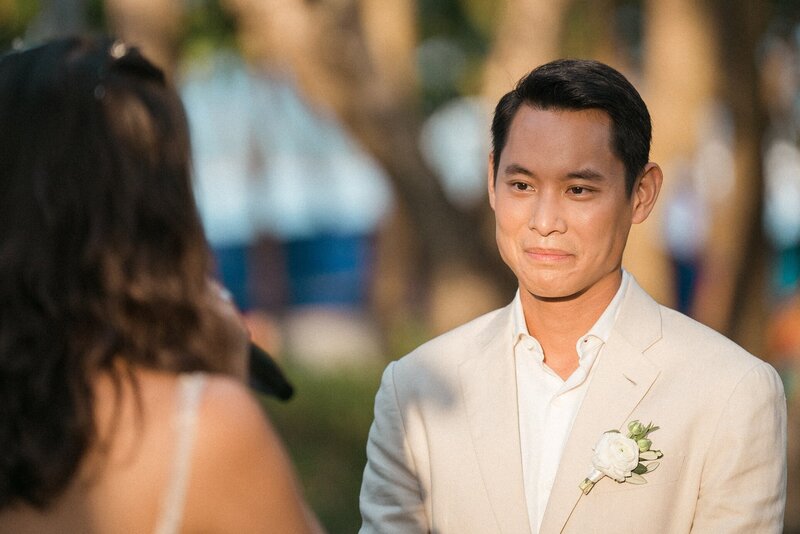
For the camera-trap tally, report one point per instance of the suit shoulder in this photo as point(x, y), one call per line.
point(705, 350)
point(441, 355)
point(448, 345)
point(675, 323)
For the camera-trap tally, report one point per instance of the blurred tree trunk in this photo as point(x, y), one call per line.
point(732, 299)
point(591, 32)
point(529, 34)
point(152, 25)
point(680, 72)
point(356, 57)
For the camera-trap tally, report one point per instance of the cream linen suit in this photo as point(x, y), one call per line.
point(443, 454)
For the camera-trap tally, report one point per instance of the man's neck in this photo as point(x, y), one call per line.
point(558, 323)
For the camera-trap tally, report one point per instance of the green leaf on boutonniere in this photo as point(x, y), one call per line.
point(615, 454)
point(649, 455)
point(636, 479)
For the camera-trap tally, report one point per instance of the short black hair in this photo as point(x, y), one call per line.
point(578, 84)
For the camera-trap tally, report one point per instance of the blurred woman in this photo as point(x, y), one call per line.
point(121, 402)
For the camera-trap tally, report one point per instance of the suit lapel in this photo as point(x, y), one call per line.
point(620, 380)
point(488, 382)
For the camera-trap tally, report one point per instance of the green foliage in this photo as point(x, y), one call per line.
point(15, 16)
point(96, 14)
point(587, 24)
point(208, 27)
point(324, 428)
point(455, 39)
point(448, 18)
point(483, 14)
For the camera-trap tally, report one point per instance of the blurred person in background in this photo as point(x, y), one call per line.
point(122, 401)
point(584, 405)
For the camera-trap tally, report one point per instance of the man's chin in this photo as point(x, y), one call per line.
point(565, 298)
point(552, 294)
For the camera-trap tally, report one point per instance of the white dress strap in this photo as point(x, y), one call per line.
point(189, 393)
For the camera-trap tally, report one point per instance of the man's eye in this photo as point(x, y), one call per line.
point(577, 190)
point(521, 186)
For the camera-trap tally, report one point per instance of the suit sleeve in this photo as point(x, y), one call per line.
point(390, 500)
point(743, 486)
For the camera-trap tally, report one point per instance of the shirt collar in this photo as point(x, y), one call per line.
point(601, 328)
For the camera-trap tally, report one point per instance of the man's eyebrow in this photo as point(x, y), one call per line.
point(586, 174)
point(513, 168)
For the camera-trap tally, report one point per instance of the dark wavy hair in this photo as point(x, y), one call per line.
point(103, 260)
point(578, 84)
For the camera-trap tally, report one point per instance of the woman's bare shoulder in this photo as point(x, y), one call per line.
point(242, 477)
point(230, 410)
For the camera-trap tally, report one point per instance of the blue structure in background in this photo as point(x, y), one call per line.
point(231, 269)
point(266, 164)
point(329, 269)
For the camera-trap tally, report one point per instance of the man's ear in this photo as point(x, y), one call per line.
point(645, 192)
point(491, 179)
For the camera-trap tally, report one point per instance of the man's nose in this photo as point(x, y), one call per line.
point(547, 215)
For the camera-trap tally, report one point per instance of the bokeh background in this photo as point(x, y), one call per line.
point(340, 161)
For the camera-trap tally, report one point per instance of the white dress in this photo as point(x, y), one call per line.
point(189, 393)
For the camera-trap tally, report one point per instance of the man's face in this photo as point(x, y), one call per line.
point(560, 204)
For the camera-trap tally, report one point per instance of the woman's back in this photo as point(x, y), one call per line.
point(235, 477)
point(107, 310)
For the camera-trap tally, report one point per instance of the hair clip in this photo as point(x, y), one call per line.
point(118, 49)
point(126, 59)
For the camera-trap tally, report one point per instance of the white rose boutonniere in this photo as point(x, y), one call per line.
point(621, 458)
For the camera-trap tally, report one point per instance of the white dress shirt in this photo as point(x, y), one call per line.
point(547, 404)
